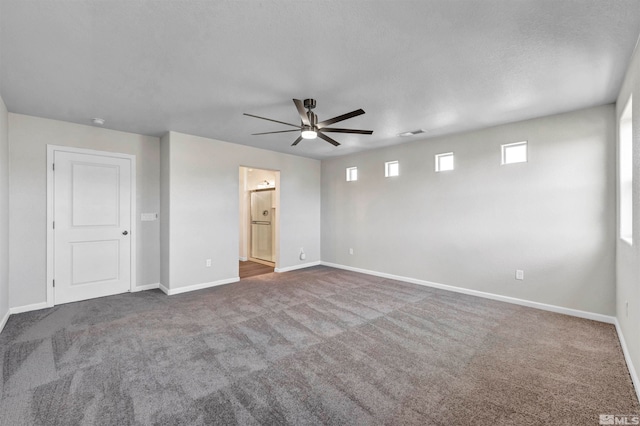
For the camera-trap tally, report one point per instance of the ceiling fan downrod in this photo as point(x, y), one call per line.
point(310, 104)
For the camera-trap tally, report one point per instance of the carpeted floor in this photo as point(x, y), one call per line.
point(314, 346)
point(251, 269)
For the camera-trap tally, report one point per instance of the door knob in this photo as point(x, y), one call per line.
point(125, 233)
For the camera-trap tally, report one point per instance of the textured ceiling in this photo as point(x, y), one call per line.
point(195, 66)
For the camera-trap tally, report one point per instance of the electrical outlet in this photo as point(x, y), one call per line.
point(208, 263)
point(350, 251)
point(303, 256)
point(519, 274)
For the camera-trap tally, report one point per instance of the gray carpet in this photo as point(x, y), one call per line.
point(315, 346)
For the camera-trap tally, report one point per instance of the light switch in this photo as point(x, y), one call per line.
point(148, 217)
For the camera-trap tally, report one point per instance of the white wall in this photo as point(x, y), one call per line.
point(243, 219)
point(28, 139)
point(553, 217)
point(4, 215)
point(204, 204)
point(628, 257)
point(165, 210)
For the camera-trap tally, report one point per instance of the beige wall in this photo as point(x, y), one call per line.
point(628, 257)
point(204, 207)
point(553, 217)
point(28, 139)
point(4, 214)
point(256, 177)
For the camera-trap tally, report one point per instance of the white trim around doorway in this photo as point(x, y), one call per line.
point(51, 149)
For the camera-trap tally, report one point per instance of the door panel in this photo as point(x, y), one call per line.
point(94, 261)
point(261, 242)
point(92, 209)
point(95, 195)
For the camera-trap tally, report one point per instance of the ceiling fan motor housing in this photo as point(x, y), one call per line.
point(309, 103)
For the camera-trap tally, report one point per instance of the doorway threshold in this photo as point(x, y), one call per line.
point(249, 269)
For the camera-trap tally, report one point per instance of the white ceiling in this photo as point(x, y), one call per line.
point(195, 66)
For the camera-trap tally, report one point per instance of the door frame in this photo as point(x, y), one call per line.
point(51, 150)
point(246, 219)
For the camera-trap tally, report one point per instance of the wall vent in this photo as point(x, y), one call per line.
point(412, 133)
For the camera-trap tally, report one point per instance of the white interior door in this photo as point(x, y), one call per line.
point(92, 226)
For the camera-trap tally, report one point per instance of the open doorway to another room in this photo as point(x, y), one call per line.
point(259, 219)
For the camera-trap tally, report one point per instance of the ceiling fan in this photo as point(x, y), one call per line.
point(310, 128)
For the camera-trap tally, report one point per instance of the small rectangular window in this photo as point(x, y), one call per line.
point(625, 171)
point(352, 174)
point(391, 168)
point(514, 153)
point(444, 162)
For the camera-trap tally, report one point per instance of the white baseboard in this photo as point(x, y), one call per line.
point(627, 358)
point(188, 288)
point(29, 308)
point(146, 287)
point(4, 320)
point(294, 267)
point(531, 304)
point(243, 259)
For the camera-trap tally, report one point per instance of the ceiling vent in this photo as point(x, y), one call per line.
point(412, 133)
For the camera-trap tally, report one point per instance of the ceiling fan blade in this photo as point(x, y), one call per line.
point(340, 118)
point(275, 121)
point(302, 112)
point(297, 141)
point(360, 132)
point(280, 131)
point(328, 139)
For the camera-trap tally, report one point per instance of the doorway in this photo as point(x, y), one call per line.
point(261, 214)
point(91, 224)
point(259, 221)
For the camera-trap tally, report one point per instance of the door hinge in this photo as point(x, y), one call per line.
point(54, 283)
point(54, 224)
point(54, 166)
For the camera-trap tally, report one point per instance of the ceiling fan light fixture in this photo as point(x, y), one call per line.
point(308, 134)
